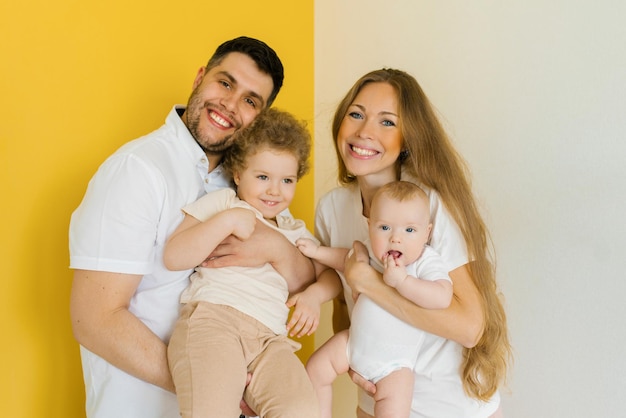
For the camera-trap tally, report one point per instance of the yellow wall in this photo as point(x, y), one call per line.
point(78, 79)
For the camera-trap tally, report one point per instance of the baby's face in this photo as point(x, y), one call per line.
point(399, 229)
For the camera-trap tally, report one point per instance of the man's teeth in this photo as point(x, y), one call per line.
point(219, 119)
point(363, 152)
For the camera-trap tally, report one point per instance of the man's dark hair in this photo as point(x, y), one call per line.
point(265, 58)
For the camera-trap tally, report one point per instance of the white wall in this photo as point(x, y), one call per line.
point(534, 95)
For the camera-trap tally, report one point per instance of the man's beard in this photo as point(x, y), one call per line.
point(195, 110)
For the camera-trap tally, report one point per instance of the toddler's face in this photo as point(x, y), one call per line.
point(268, 182)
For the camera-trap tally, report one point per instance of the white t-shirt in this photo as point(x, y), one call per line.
point(260, 292)
point(438, 390)
point(132, 204)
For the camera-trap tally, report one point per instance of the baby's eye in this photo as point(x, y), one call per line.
point(409, 229)
point(262, 177)
point(288, 181)
point(385, 227)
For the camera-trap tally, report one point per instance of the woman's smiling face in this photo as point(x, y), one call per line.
point(369, 138)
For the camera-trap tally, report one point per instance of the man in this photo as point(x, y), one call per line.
point(124, 302)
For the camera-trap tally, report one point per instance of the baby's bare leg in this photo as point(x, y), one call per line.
point(394, 394)
point(326, 363)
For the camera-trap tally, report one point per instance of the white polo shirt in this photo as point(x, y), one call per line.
point(132, 204)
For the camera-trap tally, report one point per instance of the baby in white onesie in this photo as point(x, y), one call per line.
point(379, 346)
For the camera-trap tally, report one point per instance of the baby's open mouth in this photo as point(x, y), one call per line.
point(395, 254)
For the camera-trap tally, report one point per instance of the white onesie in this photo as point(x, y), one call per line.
point(379, 343)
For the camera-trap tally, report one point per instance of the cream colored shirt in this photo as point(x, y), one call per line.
point(260, 292)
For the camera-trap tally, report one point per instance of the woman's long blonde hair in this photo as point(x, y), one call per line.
point(430, 156)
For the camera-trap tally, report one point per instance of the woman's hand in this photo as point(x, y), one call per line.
point(363, 383)
point(357, 270)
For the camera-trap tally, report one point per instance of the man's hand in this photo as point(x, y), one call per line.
point(245, 409)
point(235, 252)
point(265, 245)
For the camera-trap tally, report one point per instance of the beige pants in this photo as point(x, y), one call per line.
point(214, 347)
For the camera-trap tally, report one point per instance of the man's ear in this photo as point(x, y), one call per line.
point(199, 77)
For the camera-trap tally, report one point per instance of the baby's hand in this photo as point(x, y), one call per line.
point(243, 221)
point(306, 315)
point(395, 272)
point(307, 247)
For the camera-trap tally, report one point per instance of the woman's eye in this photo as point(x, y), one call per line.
point(388, 123)
point(355, 115)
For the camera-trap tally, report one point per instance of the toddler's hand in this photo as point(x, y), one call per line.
point(243, 221)
point(306, 315)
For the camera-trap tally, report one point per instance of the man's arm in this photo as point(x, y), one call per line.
point(266, 245)
point(102, 323)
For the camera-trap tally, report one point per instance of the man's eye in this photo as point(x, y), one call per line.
point(251, 102)
point(225, 84)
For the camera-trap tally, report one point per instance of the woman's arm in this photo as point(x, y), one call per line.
point(462, 321)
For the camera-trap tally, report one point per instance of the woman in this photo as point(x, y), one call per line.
point(386, 130)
